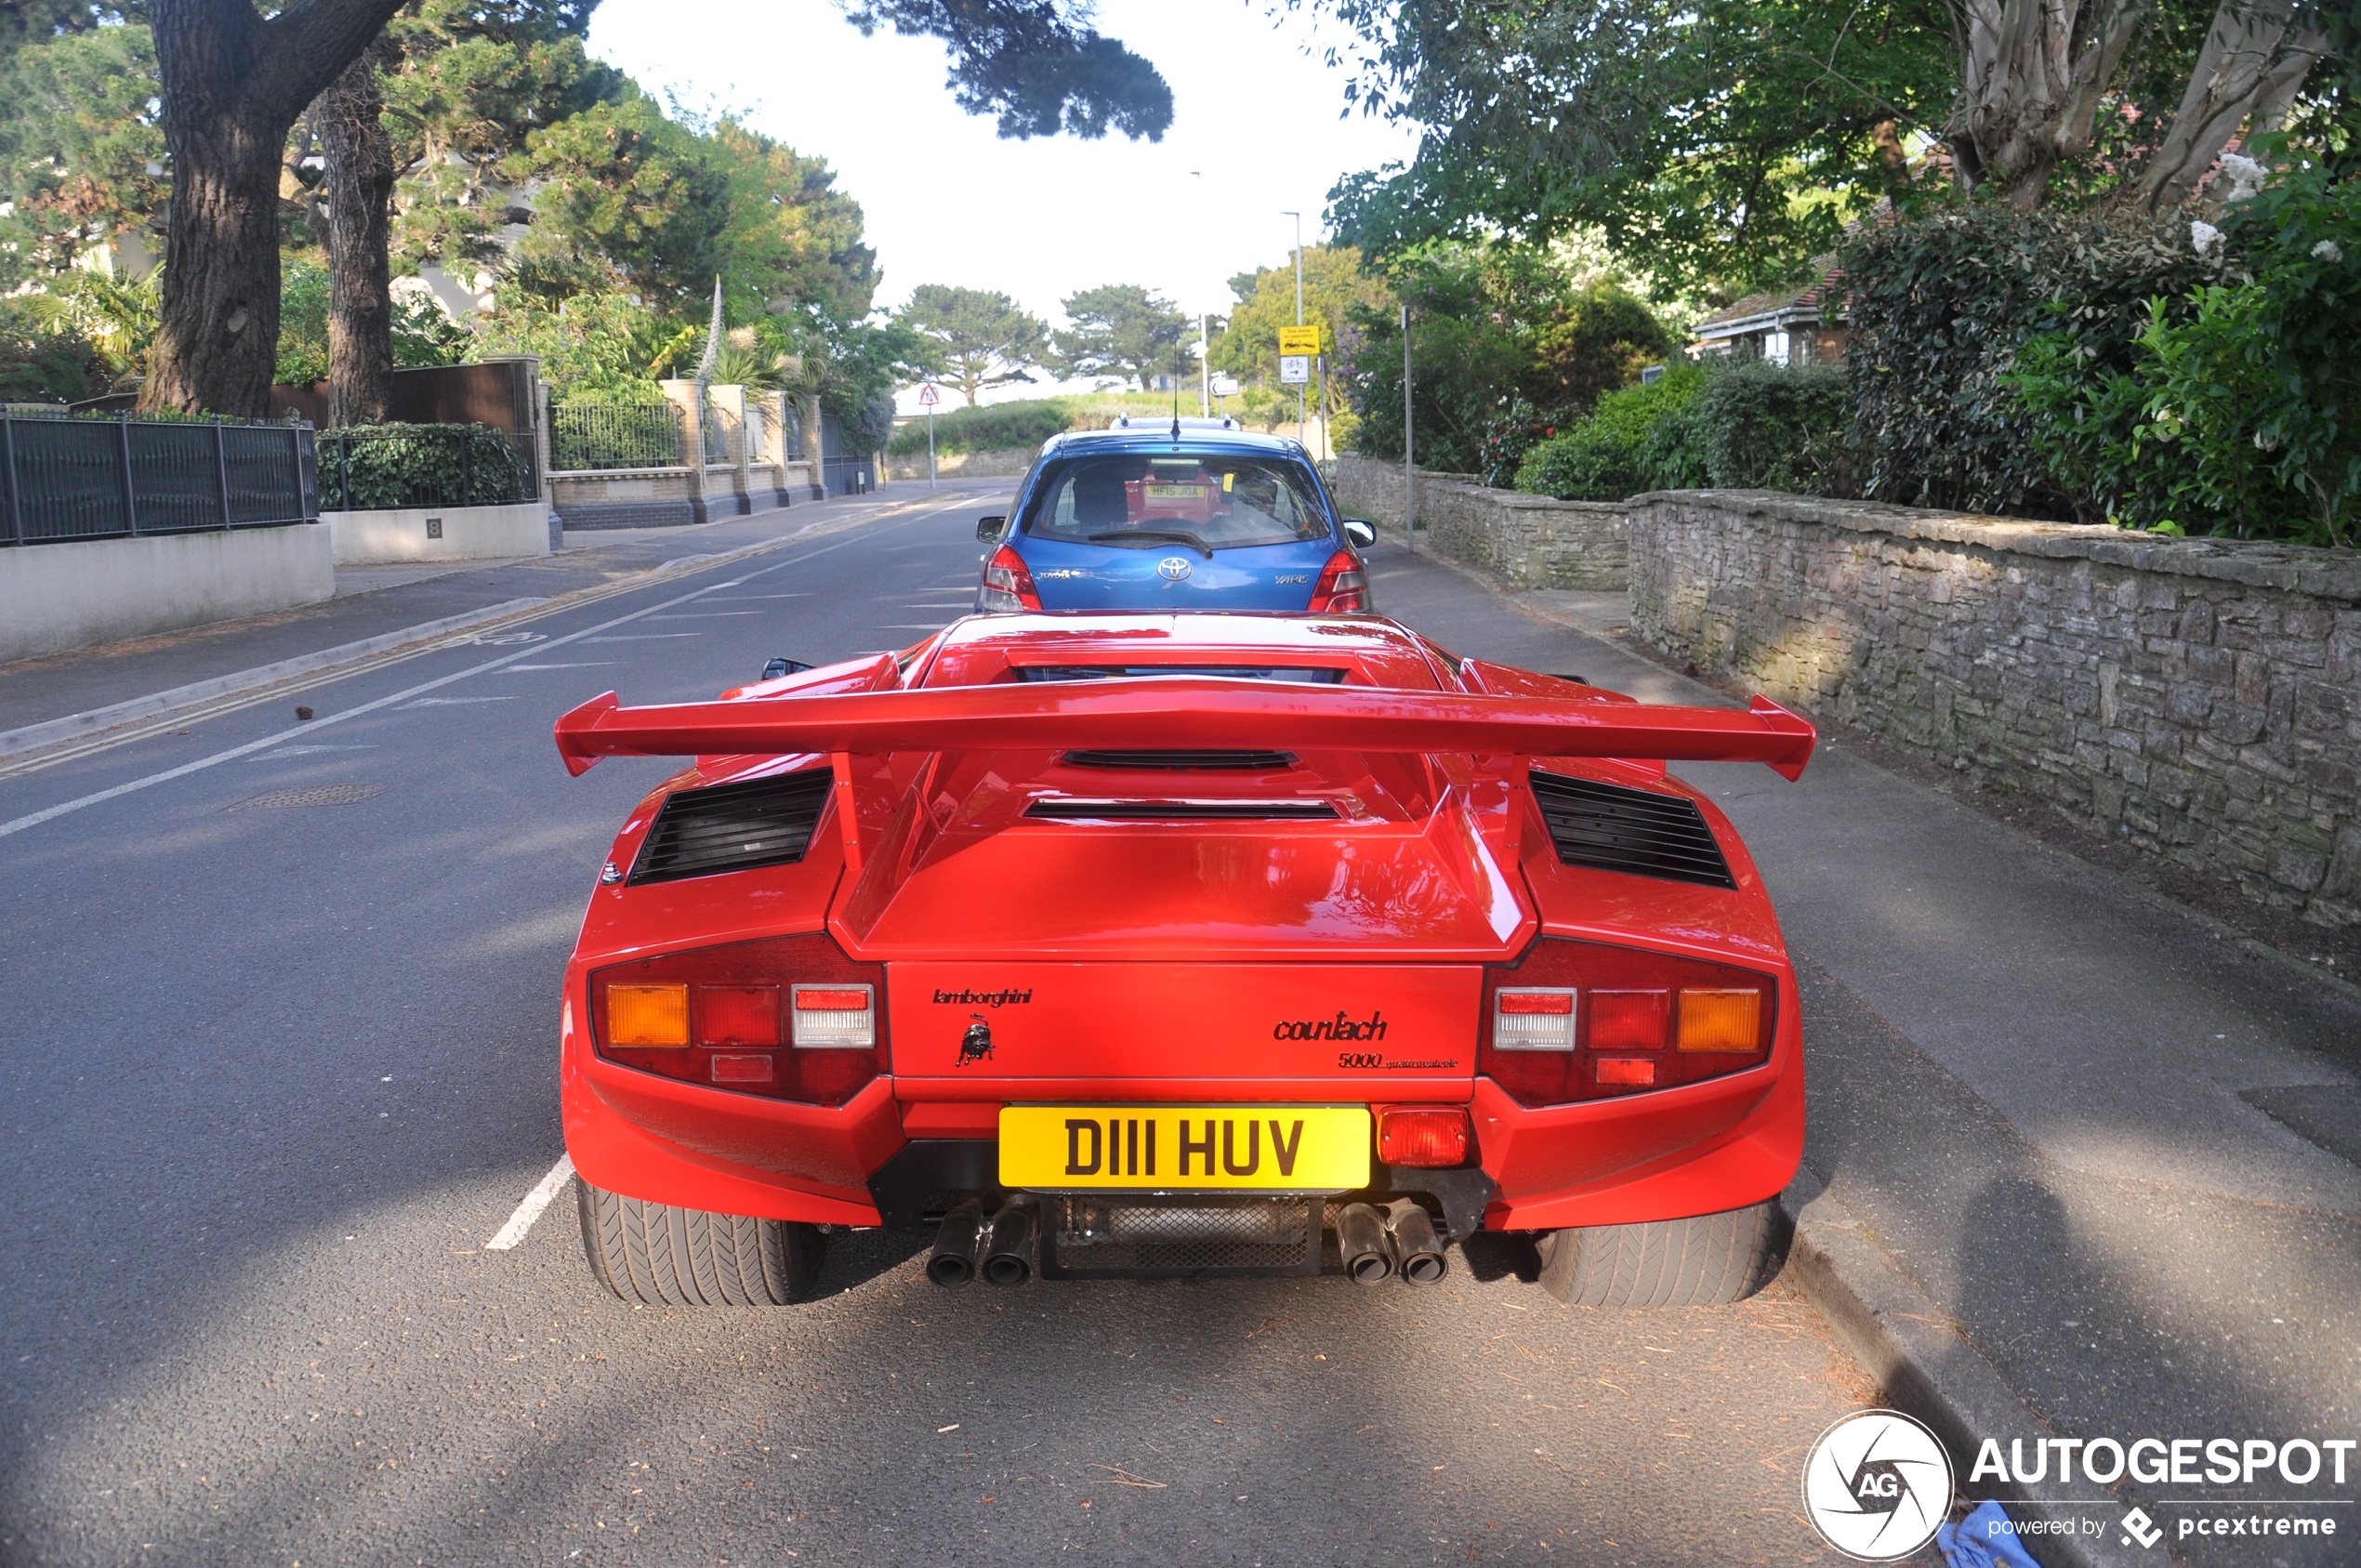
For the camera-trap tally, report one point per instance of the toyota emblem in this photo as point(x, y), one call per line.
point(1172, 568)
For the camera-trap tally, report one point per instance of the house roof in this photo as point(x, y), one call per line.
point(1777, 302)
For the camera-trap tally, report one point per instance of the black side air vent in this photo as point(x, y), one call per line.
point(1184, 761)
point(1640, 831)
point(1182, 811)
point(733, 826)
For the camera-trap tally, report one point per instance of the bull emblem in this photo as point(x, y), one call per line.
point(976, 1044)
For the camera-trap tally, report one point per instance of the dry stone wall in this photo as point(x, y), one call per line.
point(2199, 698)
point(1531, 540)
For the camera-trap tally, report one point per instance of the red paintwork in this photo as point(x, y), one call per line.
point(1172, 961)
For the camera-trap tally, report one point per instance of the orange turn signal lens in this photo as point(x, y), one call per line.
point(1720, 1020)
point(647, 1015)
point(1625, 1070)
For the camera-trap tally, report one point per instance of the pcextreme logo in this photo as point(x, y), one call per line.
point(1876, 1485)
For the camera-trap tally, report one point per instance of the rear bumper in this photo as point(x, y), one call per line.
point(1699, 1149)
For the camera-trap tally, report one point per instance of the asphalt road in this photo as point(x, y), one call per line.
point(276, 1058)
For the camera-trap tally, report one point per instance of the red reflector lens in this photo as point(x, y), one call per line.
point(812, 999)
point(742, 1069)
point(1424, 1136)
point(737, 1015)
point(1628, 1020)
point(1625, 1070)
point(1537, 1001)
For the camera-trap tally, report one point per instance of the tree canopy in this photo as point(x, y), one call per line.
point(979, 337)
point(1721, 144)
point(1122, 330)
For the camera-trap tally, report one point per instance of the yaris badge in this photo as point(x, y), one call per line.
point(1172, 568)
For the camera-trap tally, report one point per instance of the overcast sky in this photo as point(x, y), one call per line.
point(1255, 129)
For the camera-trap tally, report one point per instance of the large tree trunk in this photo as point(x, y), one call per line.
point(2031, 75)
point(233, 83)
point(2246, 76)
point(359, 181)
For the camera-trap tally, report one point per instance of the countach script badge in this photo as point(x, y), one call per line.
point(1341, 1027)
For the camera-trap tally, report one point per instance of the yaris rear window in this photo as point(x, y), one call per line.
point(1211, 502)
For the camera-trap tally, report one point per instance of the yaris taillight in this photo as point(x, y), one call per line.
point(1342, 587)
point(1007, 584)
point(1574, 1021)
point(791, 1018)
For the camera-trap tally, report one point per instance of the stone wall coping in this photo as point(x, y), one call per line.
point(669, 470)
point(2307, 569)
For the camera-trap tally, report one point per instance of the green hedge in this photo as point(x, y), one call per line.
point(1943, 306)
point(1742, 426)
point(370, 467)
point(987, 428)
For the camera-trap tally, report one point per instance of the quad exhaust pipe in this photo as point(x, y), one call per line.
point(1361, 1243)
point(1375, 1244)
point(1415, 1242)
point(1006, 1248)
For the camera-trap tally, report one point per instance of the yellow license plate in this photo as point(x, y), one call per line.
point(1185, 1148)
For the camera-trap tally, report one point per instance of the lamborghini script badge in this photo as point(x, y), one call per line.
point(1172, 568)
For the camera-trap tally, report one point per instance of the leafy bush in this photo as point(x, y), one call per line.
point(1943, 306)
point(41, 364)
point(1611, 454)
point(368, 467)
point(621, 433)
point(987, 428)
point(1769, 427)
point(1743, 426)
point(2238, 410)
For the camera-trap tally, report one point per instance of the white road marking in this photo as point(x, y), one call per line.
point(312, 726)
point(458, 702)
point(592, 663)
point(535, 1202)
point(706, 615)
point(646, 636)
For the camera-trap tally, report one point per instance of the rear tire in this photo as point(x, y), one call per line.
point(667, 1257)
point(1709, 1261)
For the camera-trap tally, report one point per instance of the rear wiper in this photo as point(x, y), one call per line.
point(1161, 535)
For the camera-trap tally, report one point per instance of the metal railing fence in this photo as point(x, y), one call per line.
point(591, 435)
point(70, 479)
point(368, 467)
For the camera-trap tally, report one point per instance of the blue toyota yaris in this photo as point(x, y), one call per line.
point(1174, 515)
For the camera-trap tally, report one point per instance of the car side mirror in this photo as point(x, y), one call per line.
point(1362, 534)
point(777, 667)
point(990, 528)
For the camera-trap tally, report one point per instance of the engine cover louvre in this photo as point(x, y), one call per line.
point(1610, 827)
point(733, 826)
point(1069, 810)
point(1184, 761)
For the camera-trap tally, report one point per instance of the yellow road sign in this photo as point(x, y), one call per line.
point(1299, 340)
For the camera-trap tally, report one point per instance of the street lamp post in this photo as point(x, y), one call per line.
point(1409, 474)
point(1204, 365)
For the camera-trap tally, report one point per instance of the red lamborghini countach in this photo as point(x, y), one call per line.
point(1158, 945)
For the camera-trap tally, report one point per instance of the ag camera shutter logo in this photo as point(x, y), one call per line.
point(1876, 1485)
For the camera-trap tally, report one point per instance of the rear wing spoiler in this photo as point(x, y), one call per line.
point(1186, 712)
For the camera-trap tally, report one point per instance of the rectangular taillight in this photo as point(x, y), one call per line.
point(1429, 1137)
point(834, 1017)
point(1532, 1019)
point(648, 1015)
point(1720, 1020)
point(727, 1017)
point(1620, 1020)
